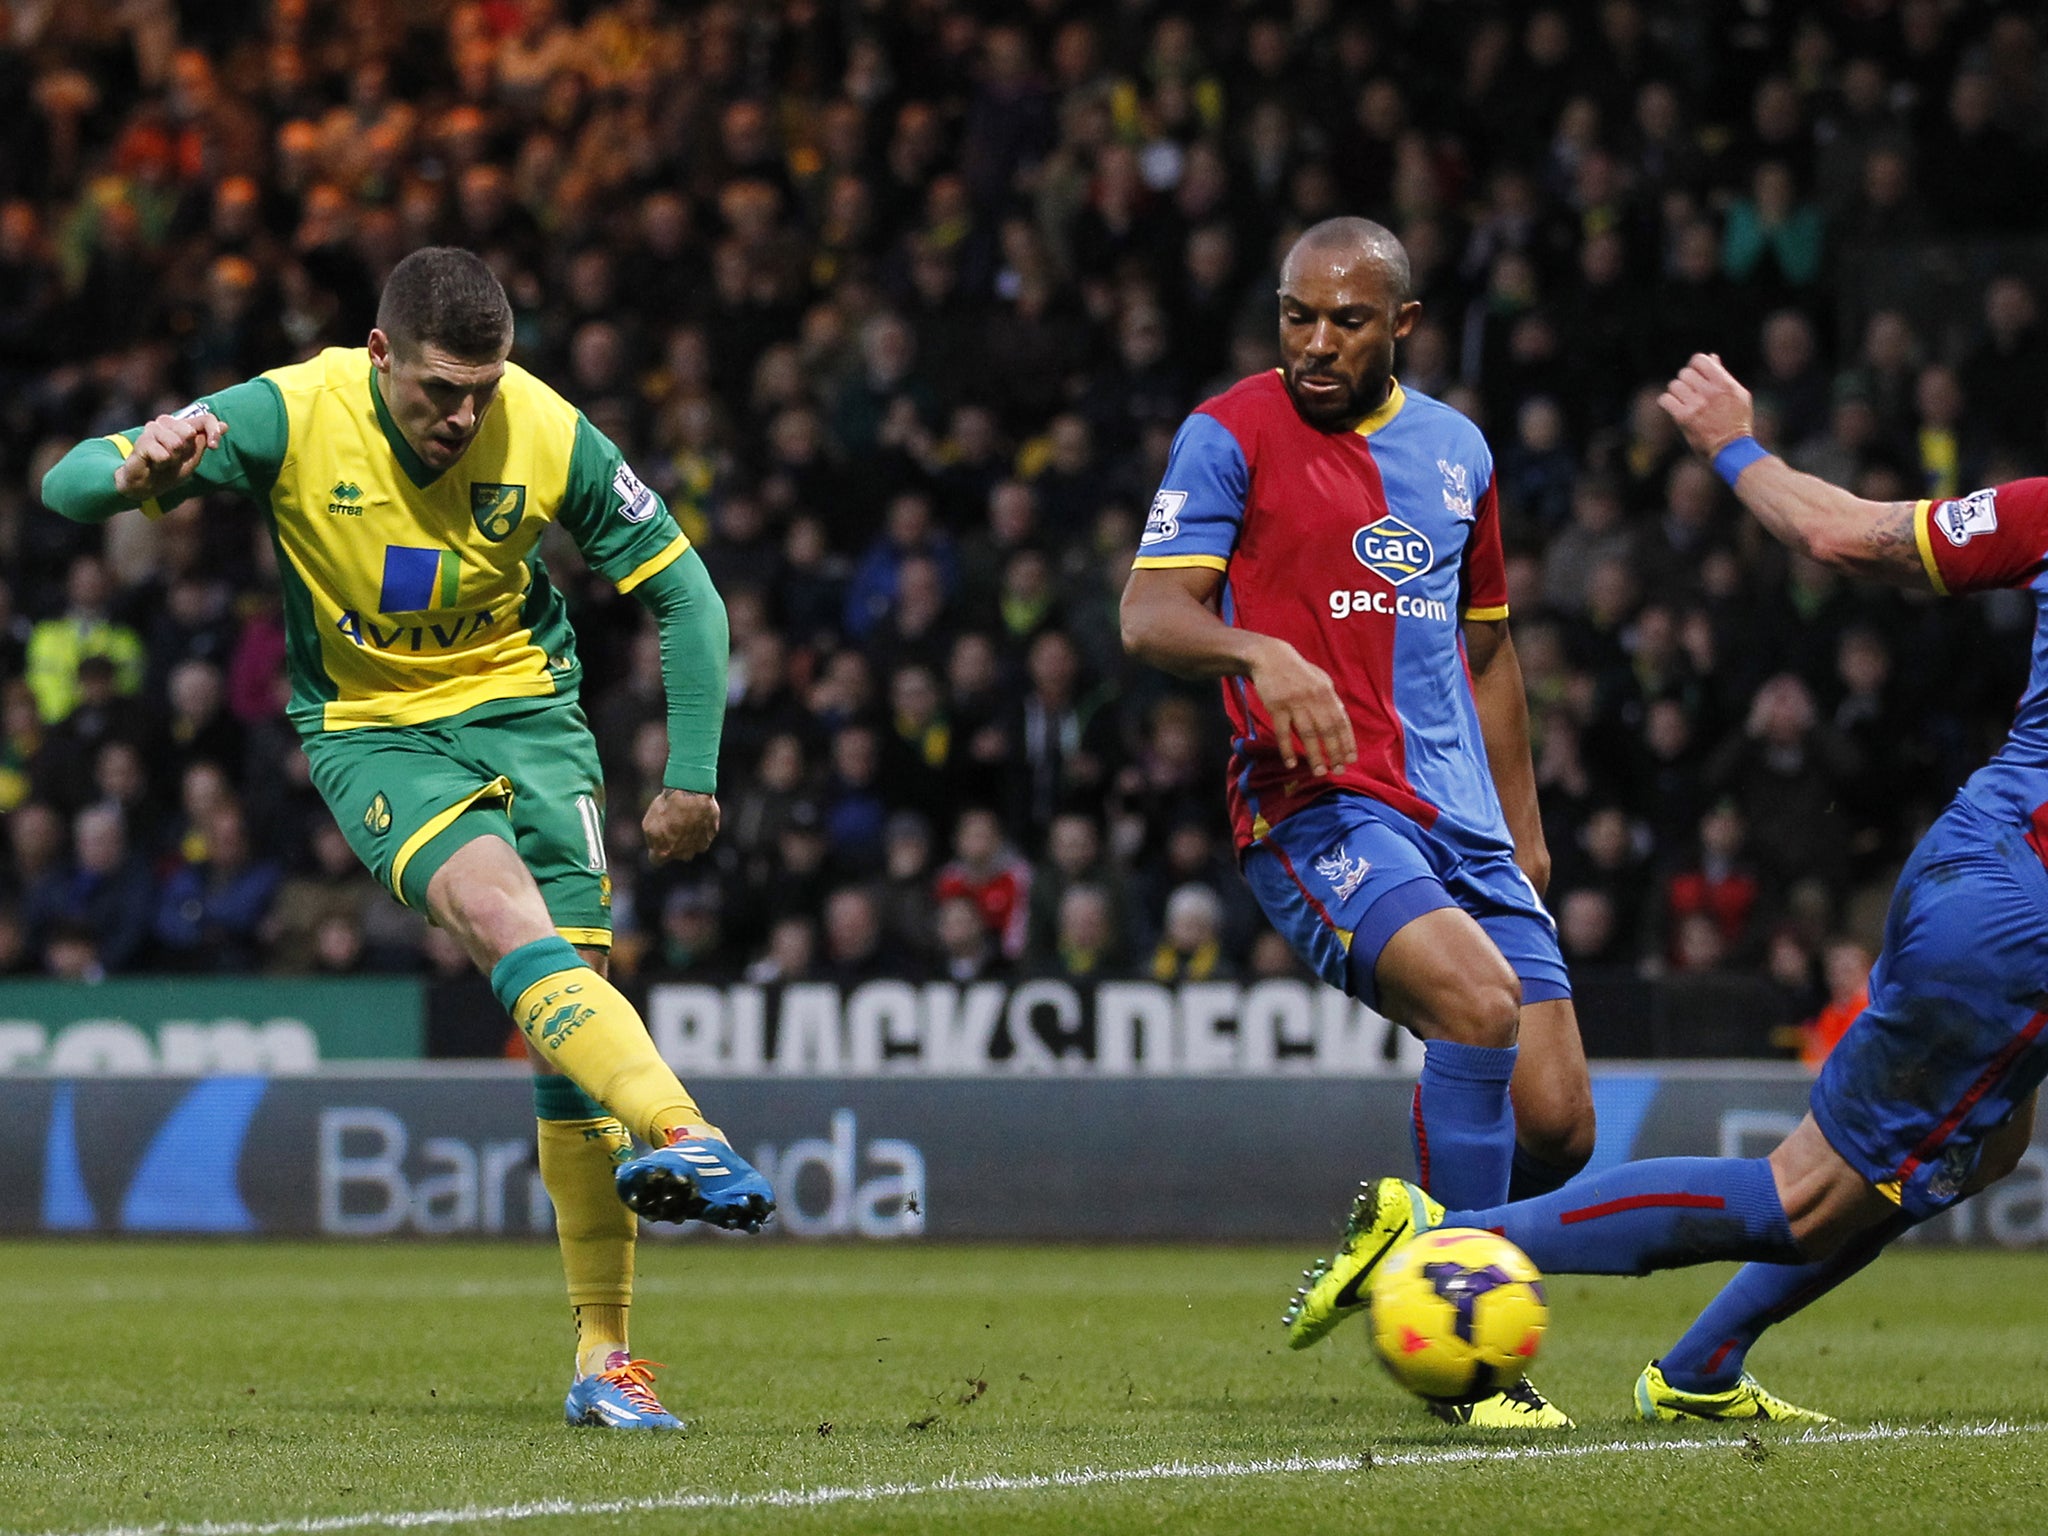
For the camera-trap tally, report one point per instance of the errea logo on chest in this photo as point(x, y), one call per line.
point(1391, 549)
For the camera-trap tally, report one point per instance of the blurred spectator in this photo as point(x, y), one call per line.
point(1590, 930)
point(1074, 855)
point(986, 871)
point(106, 893)
point(1085, 942)
point(1190, 944)
point(1064, 739)
point(905, 892)
point(211, 914)
point(1786, 772)
point(691, 937)
point(197, 726)
point(1773, 242)
point(336, 891)
point(2005, 377)
point(965, 950)
point(1719, 886)
point(853, 940)
point(790, 956)
point(57, 648)
point(98, 716)
point(1847, 965)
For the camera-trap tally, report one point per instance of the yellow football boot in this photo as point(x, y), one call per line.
point(1519, 1407)
point(1386, 1213)
point(1658, 1402)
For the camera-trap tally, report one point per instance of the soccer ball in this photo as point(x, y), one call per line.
point(1457, 1314)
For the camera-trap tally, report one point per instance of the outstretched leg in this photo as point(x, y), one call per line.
point(1801, 1203)
point(584, 1028)
point(1712, 1353)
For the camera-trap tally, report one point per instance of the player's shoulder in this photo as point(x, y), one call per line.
point(1445, 427)
point(529, 395)
point(1249, 405)
point(328, 369)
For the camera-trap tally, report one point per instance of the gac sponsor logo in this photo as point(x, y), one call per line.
point(1401, 605)
point(459, 629)
point(1392, 549)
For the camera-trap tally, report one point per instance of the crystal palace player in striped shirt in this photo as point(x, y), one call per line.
point(1328, 544)
point(1930, 1095)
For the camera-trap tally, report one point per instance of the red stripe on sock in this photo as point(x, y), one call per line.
point(1675, 1200)
point(1421, 1141)
point(1997, 1068)
point(1713, 1366)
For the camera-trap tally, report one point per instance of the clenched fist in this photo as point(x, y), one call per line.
point(679, 824)
point(1709, 404)
point(166, 453)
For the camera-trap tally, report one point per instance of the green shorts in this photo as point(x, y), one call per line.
point(526, 770)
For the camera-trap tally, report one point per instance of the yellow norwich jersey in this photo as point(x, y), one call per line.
point(410, 596)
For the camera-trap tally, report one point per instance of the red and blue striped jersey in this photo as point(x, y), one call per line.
point(1363, 550)
point(1998, 537)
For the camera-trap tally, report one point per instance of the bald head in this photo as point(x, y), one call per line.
point(1348, 242)
point(1344, 301)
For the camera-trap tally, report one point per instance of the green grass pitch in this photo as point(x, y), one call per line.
point(285, 1389)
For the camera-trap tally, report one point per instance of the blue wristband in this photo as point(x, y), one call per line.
point(1737, 456)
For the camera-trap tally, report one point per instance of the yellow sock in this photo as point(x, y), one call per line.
point(586, 1030)
point(579, 1147)
point(600, 1335)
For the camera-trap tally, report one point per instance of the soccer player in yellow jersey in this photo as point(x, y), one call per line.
point(434, 685)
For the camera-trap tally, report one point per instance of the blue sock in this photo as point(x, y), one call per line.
point(1660, 1214)
point(1533, 1176)
point(1462, 1126)
point(1710, 1357)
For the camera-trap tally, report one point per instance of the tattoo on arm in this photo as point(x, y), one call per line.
point(1891, 550)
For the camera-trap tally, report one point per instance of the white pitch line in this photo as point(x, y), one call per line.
point(1089, 1477)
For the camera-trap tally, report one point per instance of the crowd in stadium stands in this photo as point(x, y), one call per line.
point(899, 305)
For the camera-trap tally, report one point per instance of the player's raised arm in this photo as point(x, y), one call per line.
point(231, 440)
point(1875, 539)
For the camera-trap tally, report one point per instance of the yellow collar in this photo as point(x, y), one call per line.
point(1389, 409)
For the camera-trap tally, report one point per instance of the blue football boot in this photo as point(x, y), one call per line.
point(619, 1397)
point(696, 1178)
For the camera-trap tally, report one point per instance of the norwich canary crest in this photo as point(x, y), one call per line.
point(496, 508)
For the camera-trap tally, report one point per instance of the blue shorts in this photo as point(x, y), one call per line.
point(1344, 874)
point(1953, 1040)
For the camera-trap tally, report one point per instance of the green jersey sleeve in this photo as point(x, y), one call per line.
point(622, 527)
point(691, 618)
point(80, 485)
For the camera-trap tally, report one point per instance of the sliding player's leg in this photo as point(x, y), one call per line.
point(1705, 1374)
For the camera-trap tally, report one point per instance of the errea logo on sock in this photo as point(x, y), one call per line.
point(566, 1020)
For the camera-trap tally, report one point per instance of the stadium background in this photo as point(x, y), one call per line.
point(899, 305)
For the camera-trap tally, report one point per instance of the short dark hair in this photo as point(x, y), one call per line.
point(447, 296)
